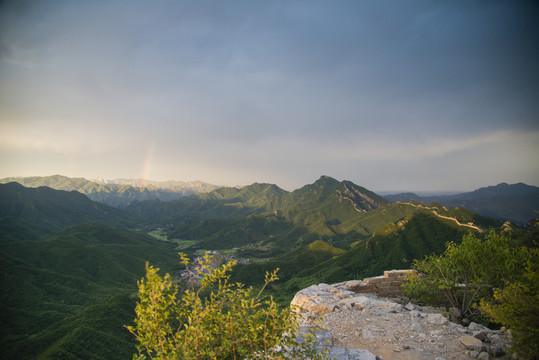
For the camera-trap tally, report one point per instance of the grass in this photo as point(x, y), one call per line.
point(158, 234)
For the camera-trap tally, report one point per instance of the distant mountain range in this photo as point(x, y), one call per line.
point(70, 264)
point(117, 192)
point(516, 202)
point(512, 202)
point(172, 185)
point(265, 220)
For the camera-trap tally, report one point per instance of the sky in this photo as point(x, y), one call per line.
point(392, 95)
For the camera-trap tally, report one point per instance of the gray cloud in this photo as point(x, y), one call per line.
point(252, 91)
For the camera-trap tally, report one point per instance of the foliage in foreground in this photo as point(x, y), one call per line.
point(216, 320)
point(497, 276)
point(517, 306)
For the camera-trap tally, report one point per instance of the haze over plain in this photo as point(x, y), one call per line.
point(408, 95)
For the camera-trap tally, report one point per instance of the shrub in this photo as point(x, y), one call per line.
point(497, 276)
point(216, 320)
point(517, 307)
point(463, 274)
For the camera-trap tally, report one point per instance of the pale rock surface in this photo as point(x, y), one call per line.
point(368, 327)
point(471, 342)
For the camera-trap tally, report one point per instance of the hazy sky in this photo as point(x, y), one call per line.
point(392, 95)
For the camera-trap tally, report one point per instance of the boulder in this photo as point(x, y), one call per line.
point(471, 343)
point(477, 327)
point(409, 307)
point(437, 319)
point(481, 335)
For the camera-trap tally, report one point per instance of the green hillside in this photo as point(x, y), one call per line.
point(223, 202)
point(71, 264)
point(263, 220)
point(13, 230)
point(50, 288)
point(54, 209)
point(319, 262)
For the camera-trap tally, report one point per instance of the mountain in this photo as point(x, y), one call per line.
point(395, 247)
point(55, 209)
point(70, 264)
point(69, 296)
point(516, 202)
point(114, 194)
point(502, 189)
point(183, 187)
point(67, 284)
point(327, 203)
point(263, 220)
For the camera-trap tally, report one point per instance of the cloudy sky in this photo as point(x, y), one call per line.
point(392, 95)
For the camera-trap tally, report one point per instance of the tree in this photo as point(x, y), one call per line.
point(496, 275)
point(216, 320)
point(517, 307)
point(464, 273)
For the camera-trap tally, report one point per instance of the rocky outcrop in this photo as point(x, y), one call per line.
point(389, 329)
point(362, 199)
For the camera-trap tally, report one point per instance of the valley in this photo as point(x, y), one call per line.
point(71, 263)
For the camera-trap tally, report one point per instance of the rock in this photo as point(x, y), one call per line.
point(482, 356)
point(362, 301)
point(417, 327)
point(384, 323)
point(358, 354)
point(347, 303)
point(477, 327)
point(496, 351)
point(409, 307)
point(353, 285)
point(324, 287)
point(320, 309)
point(471, 343)
point(417, 314)
point(481, 335)
point(437, 319)
point(323, 339)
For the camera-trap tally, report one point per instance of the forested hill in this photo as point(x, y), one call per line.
point(510, 202)
point(55, 209)
point(71, 264)
point(69, 273)
point(513, 202)
point(264, 220)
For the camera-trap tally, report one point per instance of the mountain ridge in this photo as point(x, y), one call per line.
point(112, 194)
point(55, 209)
point(84, 272)
point(514, 202)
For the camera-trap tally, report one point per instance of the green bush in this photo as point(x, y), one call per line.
point(517, 307)
point(463, 274)
point(215, 320)
point(496, 275)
